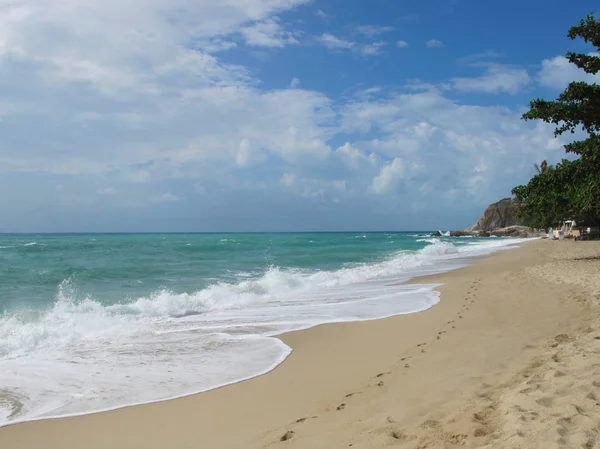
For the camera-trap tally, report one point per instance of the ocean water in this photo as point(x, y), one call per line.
point(91, 322)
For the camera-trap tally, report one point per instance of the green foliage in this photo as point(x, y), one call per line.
point(571, 189)
point(589, 30)
point(558, 193)
point(578, 105)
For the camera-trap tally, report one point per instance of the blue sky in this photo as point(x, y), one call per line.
point(272, 115)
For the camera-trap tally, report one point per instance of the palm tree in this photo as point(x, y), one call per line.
point(542, 168)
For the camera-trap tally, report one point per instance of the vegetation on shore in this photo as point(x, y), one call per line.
point(571, 188)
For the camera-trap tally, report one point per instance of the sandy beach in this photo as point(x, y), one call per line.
point(508, 359)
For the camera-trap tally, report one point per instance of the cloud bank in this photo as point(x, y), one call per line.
point(122, 116)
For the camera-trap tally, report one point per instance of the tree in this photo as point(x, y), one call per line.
point(571, 189)
point(547, 199)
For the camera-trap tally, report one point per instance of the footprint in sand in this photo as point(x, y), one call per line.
point(431, 423)
point(287, 436)
point(480, 432)
point(457, 438)
point(545, 402)
point(562, 338)
point(342, 406)
point(398, 435)
point(301, 420)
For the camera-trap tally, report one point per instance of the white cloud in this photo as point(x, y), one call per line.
point(218, 45)
point(147, 80)
point(247, 155)
point(335, 43)
point(339, 184)
point(356, 158)
point(324, 190)
point(478, 57)
point(373, 30)
point(294, 83)
point(402, 44)
point(371, 49)
point(389, 178)
point(558, 72)
point(481, 152)
point(288, 179)
point(322, 14)
point(122, 45)
point(167, 197)
point(498, 78)
point(434, 43)
point(268, 33)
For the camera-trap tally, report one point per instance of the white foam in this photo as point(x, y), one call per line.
point(81, 356)
point(429, 240)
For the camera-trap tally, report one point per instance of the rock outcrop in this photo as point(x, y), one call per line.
point(498, 220)
point(497, 216)
point(516, 231)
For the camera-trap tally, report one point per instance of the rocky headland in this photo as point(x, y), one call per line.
point(498, 220)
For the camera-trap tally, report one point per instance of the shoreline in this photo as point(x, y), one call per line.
point(445, 267)
point(322, 377)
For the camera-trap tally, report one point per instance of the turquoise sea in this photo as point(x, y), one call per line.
point(96, 321)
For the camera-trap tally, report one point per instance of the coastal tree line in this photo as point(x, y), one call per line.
point(569, 189)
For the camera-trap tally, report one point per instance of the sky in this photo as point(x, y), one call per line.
point(273, 115)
